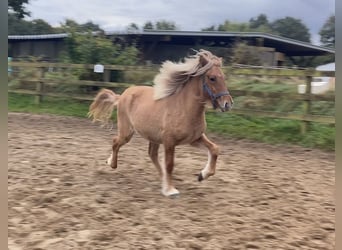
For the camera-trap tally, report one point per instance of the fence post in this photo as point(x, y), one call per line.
point(307, 103)
point(106, 75)
point(40, 86)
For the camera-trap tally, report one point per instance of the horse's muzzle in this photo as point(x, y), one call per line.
point(226, 105)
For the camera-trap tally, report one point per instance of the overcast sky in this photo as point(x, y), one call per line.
point(188, 15)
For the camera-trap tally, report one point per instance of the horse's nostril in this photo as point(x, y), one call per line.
point(226, 105)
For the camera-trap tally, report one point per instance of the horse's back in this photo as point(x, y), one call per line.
point(139, 91)
point(135, 96)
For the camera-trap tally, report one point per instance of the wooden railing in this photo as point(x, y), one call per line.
point(306, 117)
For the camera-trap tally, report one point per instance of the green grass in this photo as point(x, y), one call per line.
point(273, 131)
point(265, 84)
point(268, 130)
point(50, 105)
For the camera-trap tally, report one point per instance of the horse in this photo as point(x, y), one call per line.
point(169, 113)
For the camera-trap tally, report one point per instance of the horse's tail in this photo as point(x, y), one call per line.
point(102, 107)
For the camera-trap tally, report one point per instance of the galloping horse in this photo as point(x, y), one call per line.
point(171, 113)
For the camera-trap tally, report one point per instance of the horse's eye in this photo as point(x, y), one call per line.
point(212, 78)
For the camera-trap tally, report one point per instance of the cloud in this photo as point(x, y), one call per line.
point(113, 15)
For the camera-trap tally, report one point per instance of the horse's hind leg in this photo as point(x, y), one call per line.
point(125, 133)
point(118, 141)
point(213, 151)
point(153, 153)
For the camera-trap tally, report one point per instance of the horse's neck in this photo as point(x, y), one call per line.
point(192, 97)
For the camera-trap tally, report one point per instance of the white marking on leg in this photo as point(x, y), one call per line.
point(110, 159)
point(164, 179)
point(206, 170)
point(167, 190)
point(171, 192)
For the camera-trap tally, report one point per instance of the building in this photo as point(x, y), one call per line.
point(157, 45)
point(47, 47)
point(321, 84)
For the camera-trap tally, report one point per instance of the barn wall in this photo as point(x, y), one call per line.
point(48, 50)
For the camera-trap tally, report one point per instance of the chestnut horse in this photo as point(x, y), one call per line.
point(171, 113)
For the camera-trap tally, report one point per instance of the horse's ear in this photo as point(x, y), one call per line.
point(203, 60)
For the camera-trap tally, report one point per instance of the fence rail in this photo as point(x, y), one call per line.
point(306, 117)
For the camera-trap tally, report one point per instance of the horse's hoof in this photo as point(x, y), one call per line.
point(200, 177)
point(174, 193)
point(111, 165)
point(174, 196)
point(109, 160)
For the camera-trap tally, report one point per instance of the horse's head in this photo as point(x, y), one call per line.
point(214, 85)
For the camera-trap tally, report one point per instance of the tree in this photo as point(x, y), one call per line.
point(230, 26)
point(261, 20)
point(133, 27)
point(165, 25)
point(87, 48)
point(210, 28)
point(327, 32)
point(291, 28)
point(148, 26)
point(91, 26)
point(18, 8)
point(83, 46)
point(245, 54)
point(160, 25)
point(260, 24)
point(71, 25)
point(17, 26)
point(39, 26)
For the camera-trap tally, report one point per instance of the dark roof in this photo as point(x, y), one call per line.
point(287, 46)
point(38, 37)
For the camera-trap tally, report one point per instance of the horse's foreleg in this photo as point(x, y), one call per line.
point(153, 153)
point(213, 151)
point(167, 187)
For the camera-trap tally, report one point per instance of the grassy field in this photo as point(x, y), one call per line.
point(275, 131)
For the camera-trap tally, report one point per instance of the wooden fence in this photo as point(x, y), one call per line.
point(307, 98)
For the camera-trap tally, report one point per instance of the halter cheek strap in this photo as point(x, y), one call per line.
point(213, 97)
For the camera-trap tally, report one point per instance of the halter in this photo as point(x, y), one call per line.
point(213, 97)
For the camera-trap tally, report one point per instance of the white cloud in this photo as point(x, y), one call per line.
point(114, 15)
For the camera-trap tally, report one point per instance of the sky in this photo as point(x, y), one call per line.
point(188, 15)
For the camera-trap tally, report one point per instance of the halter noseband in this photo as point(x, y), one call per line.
point(213, 97)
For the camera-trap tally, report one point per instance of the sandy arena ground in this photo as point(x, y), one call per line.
point(62, 196)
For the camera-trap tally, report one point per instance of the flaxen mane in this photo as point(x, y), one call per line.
point(173, 76)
